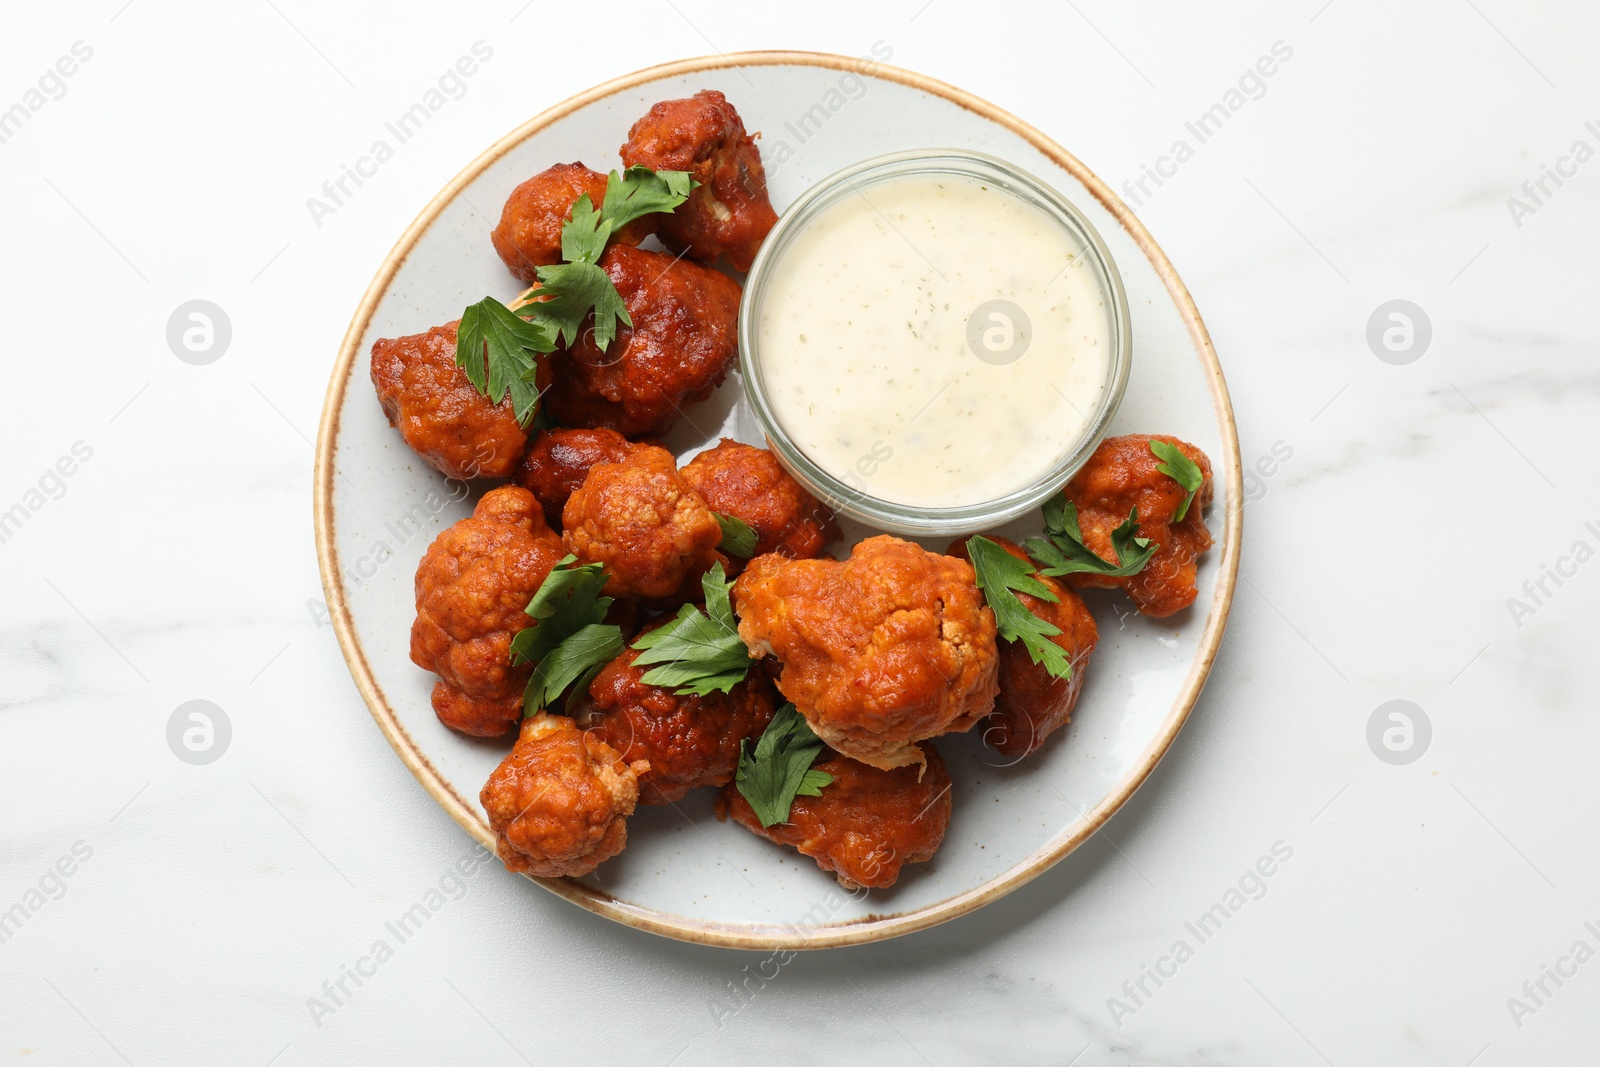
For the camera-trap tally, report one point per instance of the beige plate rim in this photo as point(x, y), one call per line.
point(772, 937)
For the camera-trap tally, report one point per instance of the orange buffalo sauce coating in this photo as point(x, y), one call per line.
point(559, 803)
point(867, 824)
point(471, 588)
point(885, 649)
point(1121, 475)
point(730, 213)
point(529, 233)
point(1033, 703)
point(689, 741)
point(750, 484)
point(559, 460)
point(438, 411)
point(684, 339)
point(639, 518)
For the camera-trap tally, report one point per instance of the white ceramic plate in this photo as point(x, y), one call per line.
point(684, 874)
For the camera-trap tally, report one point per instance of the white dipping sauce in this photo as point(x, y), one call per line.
point(864, 328)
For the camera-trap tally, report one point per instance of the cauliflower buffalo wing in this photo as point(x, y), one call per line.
point(1033, 703)
point(1122, 475)
point(729, 213)
point(749, 484)
point(892, 646)
point(684, 337)
point(559, 461)
point(559, 802)
point(642, 521)
point(529, 234)
point(439, 413)
point(689, 741)
point(472, 586)
point(867, 824)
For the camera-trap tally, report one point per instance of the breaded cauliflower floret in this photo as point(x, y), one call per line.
point(559, 461)
point(689, 741)
point(892, 646)
point(529, 234)
point(1033, 703)
point(472, 586)
point(729, 214)
point(867, 823)
point(1122, 475)
point(439, 413)
point(684, 338)
point(750, 484)
point(559, 802)
point(653, 533)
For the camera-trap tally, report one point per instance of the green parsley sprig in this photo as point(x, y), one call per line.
point(569, 641)
point(738, 539)
point(1181, 469)
point(780, 768)
point(568, 292)
point(509, 347)
point(698, 652)
point(1002, 576)
point(1062, 551)
point(507, 343)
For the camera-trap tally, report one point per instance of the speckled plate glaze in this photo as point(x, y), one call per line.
point(684, 875)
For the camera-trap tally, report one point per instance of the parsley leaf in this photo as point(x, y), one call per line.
point(1181, 469)
point(699, 651)
point(555, 310)
point(565, 602)
point(737, 537)
point(492, 336)
point(1065, 553)
point(569, 638)
point(585, 233)
point(1002, 576)
point(567, 293)
point(780, 769)
point(573, 663)
point(642, 191)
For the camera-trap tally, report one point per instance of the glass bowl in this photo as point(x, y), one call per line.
point(854, 501)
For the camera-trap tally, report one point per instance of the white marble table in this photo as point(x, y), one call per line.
point(1421, 529)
